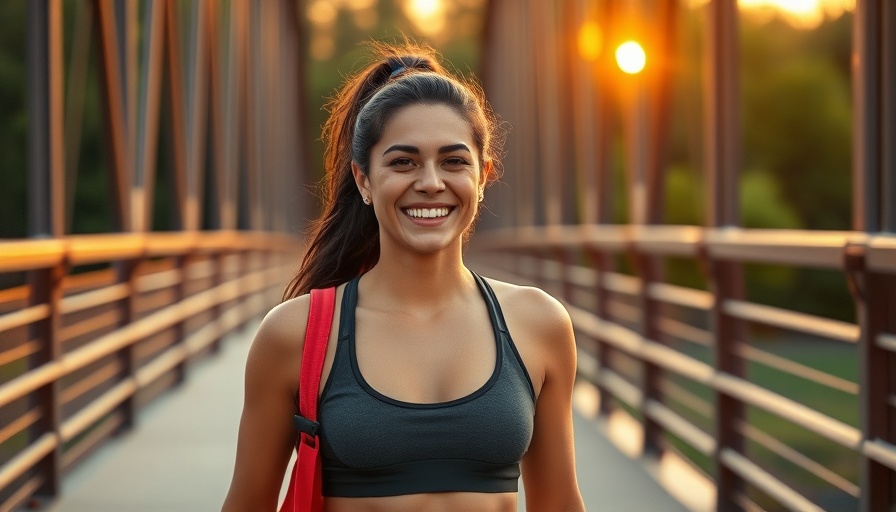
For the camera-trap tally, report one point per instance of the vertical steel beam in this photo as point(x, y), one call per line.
point(634, 101)
point(197, 115)
point(551, 159)
point(526, 122)
point(239, 16)
point(568, 63)
point(583, 96)
point(661, 86)
point(46, 143)
point(75, 99)
point(496, 64)
point(242, 134)
point(253, 114)
point(725, 278)
point(147, 114)
point(723, 114)
point(178, 131)
point(304, 204)
point(218, 119)
point(888, 117)
point(127, 26)
point(606, 125)
point(46, 174)
point(116, 125)
point(866, 76)
point(269, 155)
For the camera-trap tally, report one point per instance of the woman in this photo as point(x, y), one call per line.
point(438, 386)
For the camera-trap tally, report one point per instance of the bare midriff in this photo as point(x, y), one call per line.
point(435, 502)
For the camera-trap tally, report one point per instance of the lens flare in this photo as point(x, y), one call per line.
point(591, 41)
point(630, 57)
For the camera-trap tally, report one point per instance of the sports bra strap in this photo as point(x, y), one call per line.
point(347, 312)
point(494, 309)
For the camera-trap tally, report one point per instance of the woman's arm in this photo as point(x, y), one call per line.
point(266, 435)
point(549, 472)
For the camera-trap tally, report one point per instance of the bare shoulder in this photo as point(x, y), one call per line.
point(275, 357)
point(285, 322)
point(541, 330)
point(531, 308)
point(283, 328)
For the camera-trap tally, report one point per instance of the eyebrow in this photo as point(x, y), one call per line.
point(415, 150)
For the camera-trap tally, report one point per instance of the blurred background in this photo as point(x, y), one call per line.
point(705, 177)
point(796, 104)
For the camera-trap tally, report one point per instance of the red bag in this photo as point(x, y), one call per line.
point(304, 492)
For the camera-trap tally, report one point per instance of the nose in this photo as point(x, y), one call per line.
point(429, 180)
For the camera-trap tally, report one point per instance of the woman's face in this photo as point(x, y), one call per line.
point(424, 179)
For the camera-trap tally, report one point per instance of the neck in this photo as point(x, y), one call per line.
point(403, 280)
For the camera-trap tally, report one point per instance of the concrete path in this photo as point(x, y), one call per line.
point(180, 456)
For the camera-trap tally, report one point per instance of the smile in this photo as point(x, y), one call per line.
point(427, 213)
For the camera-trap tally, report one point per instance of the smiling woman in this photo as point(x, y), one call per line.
point(427, 176)
point(440, 388)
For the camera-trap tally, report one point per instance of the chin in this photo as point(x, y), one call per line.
point(432, 246)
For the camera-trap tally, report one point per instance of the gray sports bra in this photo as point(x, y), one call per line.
point(373, 445)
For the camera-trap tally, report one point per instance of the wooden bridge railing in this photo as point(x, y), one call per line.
point(769, 403)
point(82, 351)
point(651, 348)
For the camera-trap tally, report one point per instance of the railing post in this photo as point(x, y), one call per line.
point(872, 292)
point(182, 291)
point(725, 277)
point(218, 258)
point(602, 264)
point(127, 273)
point(46, 288)
point(46, 174)
point(648, 270)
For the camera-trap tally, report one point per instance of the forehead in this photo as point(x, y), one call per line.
point(427, 125)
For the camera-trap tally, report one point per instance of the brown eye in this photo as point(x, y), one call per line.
point(401, 162)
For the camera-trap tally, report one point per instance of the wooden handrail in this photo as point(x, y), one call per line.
point(242, 290)
point(543, 249)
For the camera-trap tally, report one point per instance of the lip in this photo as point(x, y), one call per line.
point(428, 205)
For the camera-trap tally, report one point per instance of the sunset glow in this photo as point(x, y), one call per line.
point(427, 15)
point(805, 14)
point(630, 57)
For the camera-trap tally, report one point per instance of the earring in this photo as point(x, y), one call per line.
point(365, 199)
point(481, 195)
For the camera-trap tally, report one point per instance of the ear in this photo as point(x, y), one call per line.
point(487, 169)
point(361, 180)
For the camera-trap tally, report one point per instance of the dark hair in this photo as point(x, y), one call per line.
point(344, 241)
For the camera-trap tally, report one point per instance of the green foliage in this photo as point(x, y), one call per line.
point(796, 124)
point(763, 205)
point(684, 196)
point(13, 120)
point(797, 117)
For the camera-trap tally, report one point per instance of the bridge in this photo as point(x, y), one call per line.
point(703, 382)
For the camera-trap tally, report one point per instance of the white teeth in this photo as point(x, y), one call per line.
point(427, 213)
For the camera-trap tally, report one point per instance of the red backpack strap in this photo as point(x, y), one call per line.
point(304, 491)
point(317, 334)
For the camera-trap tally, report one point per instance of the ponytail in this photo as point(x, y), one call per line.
point(344, 241)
